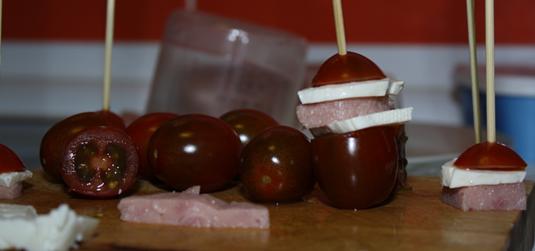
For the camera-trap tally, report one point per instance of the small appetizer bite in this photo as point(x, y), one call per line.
point(12, 173)
point(195, 150)
point(487, 176)
point(52, 150)
point(141, 130)
point(192, 209)
point(22, 228)
point(276, 166)
point(359, 137)
point(100, 162)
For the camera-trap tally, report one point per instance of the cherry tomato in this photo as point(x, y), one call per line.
point(347, 68)
point(141, 130)
point(100, 162)
point(248, 123)
point(490, 156)
point(195, 150)
point(359, 169)
point(276, 166)
point(53, 143)
point(9, 161)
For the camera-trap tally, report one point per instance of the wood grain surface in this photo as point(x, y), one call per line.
point(414, 220)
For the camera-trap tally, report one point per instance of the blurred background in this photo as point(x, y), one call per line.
point(52, 51)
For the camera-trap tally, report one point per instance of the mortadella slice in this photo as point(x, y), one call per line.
point(189, 208)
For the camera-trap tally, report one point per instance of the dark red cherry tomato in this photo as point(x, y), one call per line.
point(195, 150)
point(248, 123)
point(100, 162)
point(276, 166)
point(359, 169)
point(347, 68)
point(141, 130)
point(53, 143)
point(9, 161)
point(490, 156)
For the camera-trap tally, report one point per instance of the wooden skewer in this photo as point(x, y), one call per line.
point(107, 55)
point(473, 69)
point(489, 41)
point(339, 24)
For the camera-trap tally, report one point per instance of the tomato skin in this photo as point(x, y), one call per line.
point(276, 166)
point(52, 149)
point(141, 130)
point(9, 161)
point(100, 162)
point(491, 157)
point(195, 150)
point(248, 123)
point(347, 68)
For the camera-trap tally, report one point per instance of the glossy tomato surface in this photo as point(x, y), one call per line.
point(100, 162)
point(358, 170)
point(141, 130)
point(9, 161)
point(195, 150)
point(248, 123)
point(276, 166)
point(490, 156)
point(52, 150)
point(347, 68)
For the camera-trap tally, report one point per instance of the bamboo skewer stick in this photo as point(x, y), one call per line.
point(339, 24)
point(473, 69)
point(107, 55)
point(489, 46)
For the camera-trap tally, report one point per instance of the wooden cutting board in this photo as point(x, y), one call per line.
point(414, 220)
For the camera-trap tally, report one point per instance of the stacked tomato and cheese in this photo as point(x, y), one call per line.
point(12, 173)
point(487, 176)
point(349, 93)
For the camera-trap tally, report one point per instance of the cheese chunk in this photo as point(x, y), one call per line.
point(374, 119)
point(57, 231)
point(370, 88)
point(10, 178)
point(453, 177)
point(8, 211)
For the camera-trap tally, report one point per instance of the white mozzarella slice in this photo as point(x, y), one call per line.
point(374, 119)
point(57, 231)
point(370, 88)
point(17, 211)
point(10, 178)
point(454, 177)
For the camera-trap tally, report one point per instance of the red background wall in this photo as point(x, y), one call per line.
point(370, 21)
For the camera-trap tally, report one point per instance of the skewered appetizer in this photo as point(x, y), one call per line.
point(359, 143)
point(12, 173)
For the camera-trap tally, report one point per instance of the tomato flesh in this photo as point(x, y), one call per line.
point(101, 162)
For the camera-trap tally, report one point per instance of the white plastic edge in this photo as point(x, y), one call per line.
point(453, 177)
point(371, 120)
point(370, 88)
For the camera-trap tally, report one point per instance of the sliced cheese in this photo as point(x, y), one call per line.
point(11, 178)
point(57, 231)
point(453, 177)
point(370, 88)
point(8, 211)
point(374, 119)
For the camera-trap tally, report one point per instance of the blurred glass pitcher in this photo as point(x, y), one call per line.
point(211, 65)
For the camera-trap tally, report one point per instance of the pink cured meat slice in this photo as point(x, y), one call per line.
point(192, 209)
point(11, 192)
point(503, 197)
point(322, 114)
